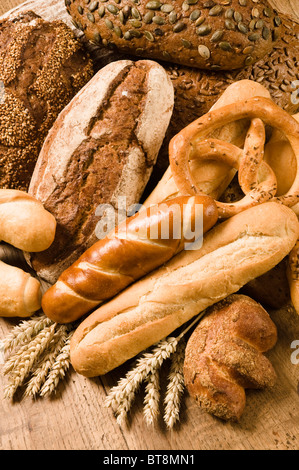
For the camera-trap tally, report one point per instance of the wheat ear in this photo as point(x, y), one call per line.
point(175, 387)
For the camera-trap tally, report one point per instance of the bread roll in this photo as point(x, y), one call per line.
point(42, 66)
point(24, 222)
point(101, 148)
point(224, 356)
point(137, 246)
point(203, 34)
point(20, 293)
point(233, 253)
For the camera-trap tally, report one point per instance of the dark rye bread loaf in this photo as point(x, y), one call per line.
point(208, 34)
point(42, 66)
point(102, 147)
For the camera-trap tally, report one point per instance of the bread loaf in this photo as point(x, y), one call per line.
point(224, 356)
point(233, 253)
point(24, 223)
point(42, 66)
point(137, 246)
point(101, 150)
point(20, 293)
point(197, 33)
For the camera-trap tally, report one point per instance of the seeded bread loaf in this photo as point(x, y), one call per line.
point(220, 34)
point(42, 66)
point(101, 148)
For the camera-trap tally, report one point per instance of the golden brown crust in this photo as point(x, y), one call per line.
point(207, 34)
point(224, 356)
point(42, 66)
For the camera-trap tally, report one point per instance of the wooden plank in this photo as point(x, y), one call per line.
point(75, 418)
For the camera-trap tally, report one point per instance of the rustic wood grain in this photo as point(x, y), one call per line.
point(75, 418)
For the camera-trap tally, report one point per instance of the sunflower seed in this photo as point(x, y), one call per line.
point(204, 52)
point(203, 30)
point(187, 44)
point(266, 33)
point(242, 28)
point(158, 20)
point(229, 24)
point(248, 60)
point(97, 38)
point(192, 2)
point(259, 24)
point(153, 5)
point(113, 9)
point(253, 37)
point(118, 31)
point(238, 17)
point(127, 35)
point(172, 17)
point(243, 3)
point(90, 17)
point(200, 21)
point(255, 13)
point(80, 10)
point(195, 15)
point(225, 46)
point(109, 24)
point(229, 13)
point(277, 21)
point(149, 36)
point(135, 23)
point(248, 50)
point(166, 8)
point(268, 12)
point(135, 13)
point(217, 35)
point(216, 10)
point(179, 27)
point(148, 17)
point(93, 6)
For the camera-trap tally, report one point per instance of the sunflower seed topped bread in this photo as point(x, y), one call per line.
point(101, 148)
point(42, 66)
point(208, 34)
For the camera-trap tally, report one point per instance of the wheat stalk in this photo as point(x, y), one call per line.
point(46, 362)
point(25, 331)
point(152, 396)
point(58, 369)
point(20, 364)
point(175, 387)
point(120, 397)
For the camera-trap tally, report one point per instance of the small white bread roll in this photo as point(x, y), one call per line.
point(24, 223)
point(20, 293)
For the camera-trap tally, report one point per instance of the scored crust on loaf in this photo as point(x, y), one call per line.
point(233, 253)
point(103, 146)
point(42, 66)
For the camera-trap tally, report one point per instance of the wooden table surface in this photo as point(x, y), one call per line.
point(75, 418)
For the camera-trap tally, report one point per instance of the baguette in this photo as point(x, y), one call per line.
point(197, 33)
point(24, 222)
point(20, 293)
point(233, 253)
point(137, 246)
point(102, 148)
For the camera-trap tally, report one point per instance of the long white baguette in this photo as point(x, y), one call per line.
point(235, 252)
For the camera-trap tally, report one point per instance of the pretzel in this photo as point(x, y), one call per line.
point(256, 178)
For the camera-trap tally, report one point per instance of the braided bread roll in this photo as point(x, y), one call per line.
point(20, 293)
point(133, 249)
point(224, 356)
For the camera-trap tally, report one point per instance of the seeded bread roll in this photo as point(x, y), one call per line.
point(42, 66)
point(208, 34)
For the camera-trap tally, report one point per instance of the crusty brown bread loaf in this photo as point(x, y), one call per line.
point(224, 356)
point(42, 66)
point(233, 253)
point(100, 150)
point(137, 246)
point(207, 34)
